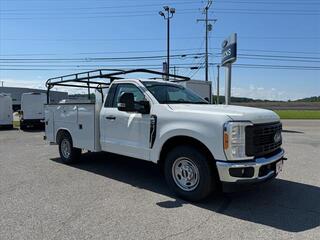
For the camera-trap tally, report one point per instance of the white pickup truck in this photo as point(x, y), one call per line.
point(200, 146)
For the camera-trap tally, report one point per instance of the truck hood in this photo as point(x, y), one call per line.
point(236, 113)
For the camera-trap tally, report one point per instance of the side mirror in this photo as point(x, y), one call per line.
point(126, 102)
point(143, 107)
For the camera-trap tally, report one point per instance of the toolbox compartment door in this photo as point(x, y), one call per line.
point(49, 121)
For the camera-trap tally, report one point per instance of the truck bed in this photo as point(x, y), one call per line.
point(81, 120)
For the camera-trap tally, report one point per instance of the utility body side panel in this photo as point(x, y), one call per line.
point(80, 120)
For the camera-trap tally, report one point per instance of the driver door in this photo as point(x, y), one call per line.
point(125, 133)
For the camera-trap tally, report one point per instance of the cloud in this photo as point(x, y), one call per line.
point(259, 93)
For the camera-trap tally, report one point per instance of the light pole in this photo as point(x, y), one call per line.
point(218, 84)
point(170, 12)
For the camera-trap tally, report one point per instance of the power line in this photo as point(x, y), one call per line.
point(75, 11)
point(281, 60)
point(104, 16)
point(246, 66)
point(158, 39)
point(108, 7)
point(305, 2)
point(161, 57)
point(160, 51)
point(102, 58)
point(7, 15)
point(201, 65)
point(194, 59)
point(103, 52)
point(283, 67)
point(279, 51)
point(277, 57)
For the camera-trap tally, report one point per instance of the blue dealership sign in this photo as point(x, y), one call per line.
point(229, 50)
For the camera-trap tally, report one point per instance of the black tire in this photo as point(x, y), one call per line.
point(73, 153)
point(22, 126)
point(206, 181)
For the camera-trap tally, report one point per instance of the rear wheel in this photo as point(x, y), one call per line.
point(188, 173)
point(22, 125)
point(68, 153)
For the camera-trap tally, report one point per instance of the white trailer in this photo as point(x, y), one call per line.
point(202, 88)
point(6, 115)
point(32, 109)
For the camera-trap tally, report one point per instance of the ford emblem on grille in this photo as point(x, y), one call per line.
point(277, 137)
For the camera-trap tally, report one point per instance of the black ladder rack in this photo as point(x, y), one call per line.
point(84, 79)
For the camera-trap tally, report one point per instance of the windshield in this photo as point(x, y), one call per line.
point(167, 93)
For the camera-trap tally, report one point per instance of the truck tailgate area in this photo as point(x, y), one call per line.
point(80, 119)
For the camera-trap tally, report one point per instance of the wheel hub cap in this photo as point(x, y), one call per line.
point(65, 148)
point(185, 174)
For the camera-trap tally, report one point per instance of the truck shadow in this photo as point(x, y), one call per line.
point(291, 131)
point(285, 205)
point(8, 129)
point(35, 130)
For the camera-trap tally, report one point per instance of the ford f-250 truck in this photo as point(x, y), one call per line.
point(200, 146)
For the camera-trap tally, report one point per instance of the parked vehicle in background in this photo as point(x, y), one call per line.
point(6, 113)
point(200, 146)
point(202, 88)
point(32, 110)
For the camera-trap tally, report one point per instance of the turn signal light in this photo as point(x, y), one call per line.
point(225, 140)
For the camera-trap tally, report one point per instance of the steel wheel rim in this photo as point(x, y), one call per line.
point(185, 174)
point(65, 148)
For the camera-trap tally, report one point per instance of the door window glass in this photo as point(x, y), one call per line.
point(128, 88)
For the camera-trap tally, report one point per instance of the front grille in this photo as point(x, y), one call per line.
point(261, 139)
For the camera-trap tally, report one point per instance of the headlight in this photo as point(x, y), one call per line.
point(234, 140)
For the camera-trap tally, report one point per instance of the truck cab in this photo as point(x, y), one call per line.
point(201, 147)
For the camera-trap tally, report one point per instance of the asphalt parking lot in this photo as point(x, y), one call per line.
point(110, 197)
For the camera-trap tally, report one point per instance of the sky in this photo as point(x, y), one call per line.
point(278, 41)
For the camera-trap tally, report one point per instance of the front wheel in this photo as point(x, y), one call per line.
point(68, 153)
point(188, 173)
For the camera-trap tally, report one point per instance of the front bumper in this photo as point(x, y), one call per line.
point(261, 169)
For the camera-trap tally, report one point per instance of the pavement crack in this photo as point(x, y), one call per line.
point(188, 229)
point(221, 209)
point(73, 216)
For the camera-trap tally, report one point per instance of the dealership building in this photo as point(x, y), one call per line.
point(16, 94)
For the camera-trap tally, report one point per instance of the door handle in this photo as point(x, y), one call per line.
point(111, 117)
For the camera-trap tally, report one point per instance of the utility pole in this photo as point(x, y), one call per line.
point(170, 12)
point(208, 26)
point(218, 84)
point(174, 71)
